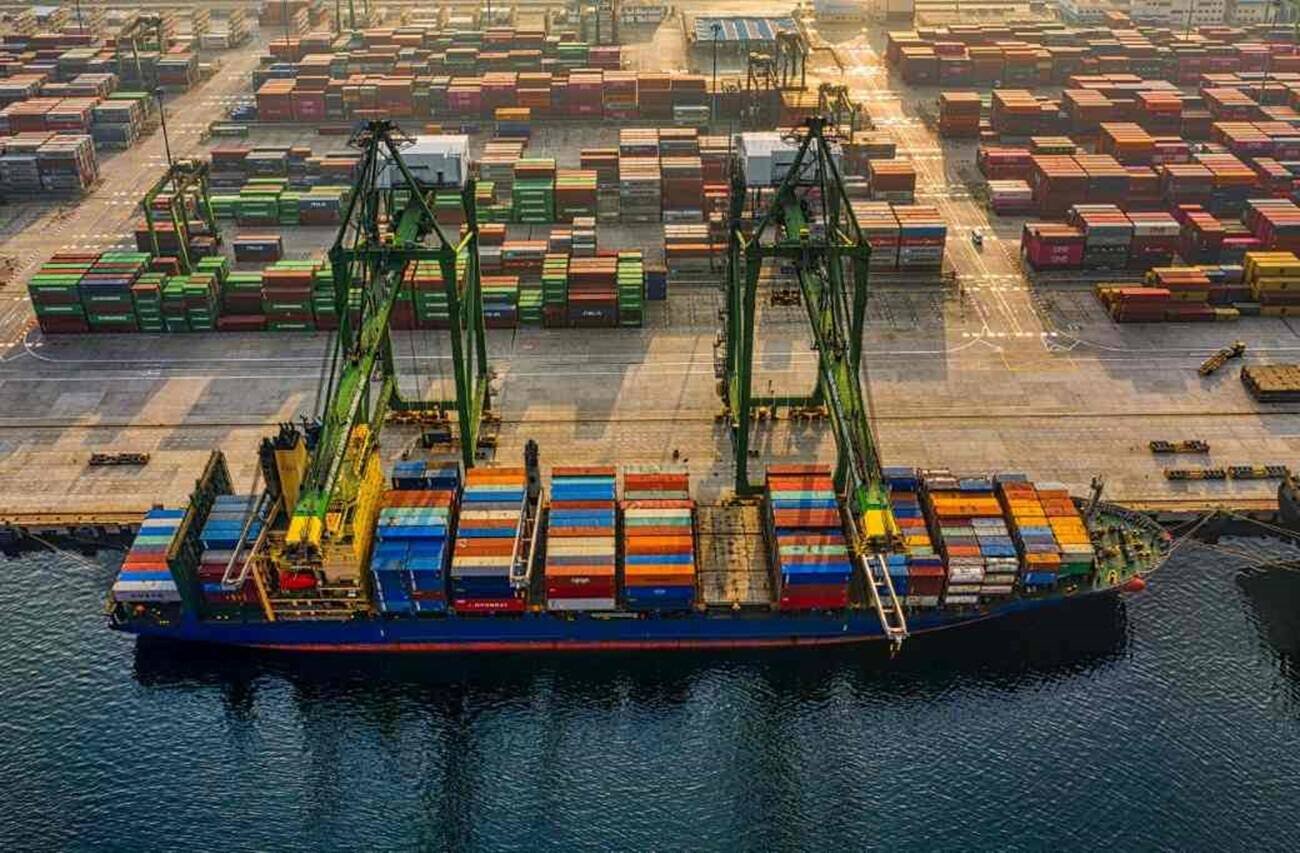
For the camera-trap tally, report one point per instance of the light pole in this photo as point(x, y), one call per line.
point(162, 116)
point(81, 28)
point(284, 15)
point(1268, 60)
point(716, 29)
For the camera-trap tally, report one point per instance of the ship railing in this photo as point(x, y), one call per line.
point(521, 561)
point(236, 573)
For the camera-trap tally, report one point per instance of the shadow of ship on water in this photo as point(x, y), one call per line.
point(1007, 653)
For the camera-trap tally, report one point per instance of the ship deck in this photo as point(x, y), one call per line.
point(991, 373)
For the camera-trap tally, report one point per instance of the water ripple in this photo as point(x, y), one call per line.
point(1167, 722)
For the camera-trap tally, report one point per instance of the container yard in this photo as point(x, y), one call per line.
point(1042, 226)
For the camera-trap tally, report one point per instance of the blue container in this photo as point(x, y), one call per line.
point(659, 559)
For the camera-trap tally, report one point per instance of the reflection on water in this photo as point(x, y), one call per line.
point(1155, 722)
point(1270, 582)
point(1025, 648)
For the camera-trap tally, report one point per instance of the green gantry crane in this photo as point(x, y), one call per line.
point(183, 189)
point(810, 227)
point(384, 230)
point(136, 35)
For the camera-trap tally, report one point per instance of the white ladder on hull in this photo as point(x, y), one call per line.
point(881, 588)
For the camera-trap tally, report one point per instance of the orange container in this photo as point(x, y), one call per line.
point(646, 545)
point(585, 471)
point(485, 547)
point(651, 530)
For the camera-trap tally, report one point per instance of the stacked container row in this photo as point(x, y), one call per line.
point(488, 541)
point(809, 552)
point(580, 540)
point(658, 541)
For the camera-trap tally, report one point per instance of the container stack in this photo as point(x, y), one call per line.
point(145, 575)
point(287, 296)
point(584, 237)
point(631, 288)
point(1272, 383)
point(500, 301)
point(1274, 280)
point(1058, 182)
point(580, 539)
point(658, 540)
point(241, 303)
point(892, 180)
point(56, 295)
point(682, 185)
point(809, 551)
point(1155, 239)
point(117, 123)
point(1126, 142)
point(922, 234)
point(1040, 556)
point(1004, 163)
point(1276, 222)
point(106, 291)
point(423, 279)
point(640, 189)
point(555, 290)
point(1052, 245)
point(408, 565)
point(258, 248)
point(497, 164)
point(1010, 198)
point(1134, 303)
point(880, 227)
point(66, 163)
point(488, 541)
point(959, 114)
point(513, 122)
point(592, 286)
point(689, 253)
point(323, 308)
point(995, 544)
point(959, 507)
point(1016, 113)
point(575, 194)
point(1071, 534)
point(146, 299)
point(926, 574)
point(533, 192)
point(1107, 235)
point(219, 539)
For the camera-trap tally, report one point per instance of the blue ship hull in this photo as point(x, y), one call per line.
point(545, 632)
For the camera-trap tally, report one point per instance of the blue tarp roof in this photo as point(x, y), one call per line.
point(742, 29)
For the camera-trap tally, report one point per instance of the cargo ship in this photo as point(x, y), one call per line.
point(331, 555)
point(489, 560)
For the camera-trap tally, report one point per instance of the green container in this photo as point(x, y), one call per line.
point(73, 310)
point(286, 326)
point(223, 206)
